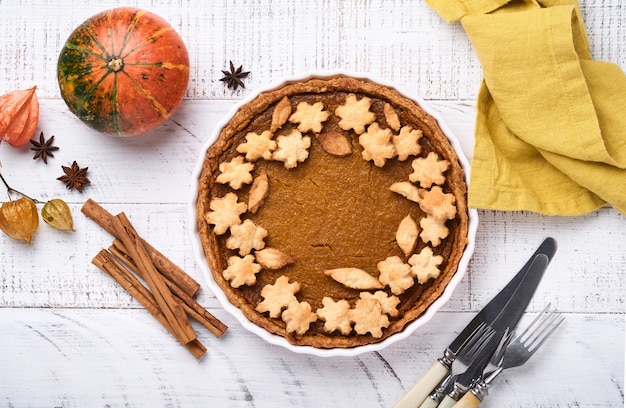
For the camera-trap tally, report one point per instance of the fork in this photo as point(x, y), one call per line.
point(451, 363)
point(516, 354)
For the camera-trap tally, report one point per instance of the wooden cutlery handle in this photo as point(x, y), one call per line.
point(429, 403)
point(423, 387)
point(469, 400)
point(447, 402)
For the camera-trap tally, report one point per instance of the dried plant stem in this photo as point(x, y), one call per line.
point(12, 190)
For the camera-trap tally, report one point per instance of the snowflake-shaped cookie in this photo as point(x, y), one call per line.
point(277, 296)
point(433, 230)
point(407, 142)
point(258, 146)
point(425, 265)
point(355, 114)
point(241, 271)
point(406, 189)
point(235, 172)
point(309, 117)
point(429, 170)
point(377, 144)
point(225, 212)
point(368, 317)
point(395, 274)
point(298, 316)
point(335, 315)
point(388, 303)
point(246, 237)
point(292, 148)
point(437, 203)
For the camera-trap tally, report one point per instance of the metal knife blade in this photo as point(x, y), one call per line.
point(509, 317)
point(490, 312)
point(511, 314)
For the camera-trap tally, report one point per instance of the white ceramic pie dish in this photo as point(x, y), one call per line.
point(281, 341)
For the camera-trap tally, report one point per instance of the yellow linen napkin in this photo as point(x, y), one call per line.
point(550, 132)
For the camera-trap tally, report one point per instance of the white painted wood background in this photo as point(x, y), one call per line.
point(69, 337)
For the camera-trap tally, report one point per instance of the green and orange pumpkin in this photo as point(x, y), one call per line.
point(123, 71)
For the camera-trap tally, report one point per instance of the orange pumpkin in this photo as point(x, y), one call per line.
point(123, 71)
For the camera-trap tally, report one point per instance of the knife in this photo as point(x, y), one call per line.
point(440, 368)
point(504, 323)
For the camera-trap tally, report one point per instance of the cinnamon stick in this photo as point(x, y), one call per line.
point(191, 306)
point(167, 268)
point(105, 261)
point(170, 307)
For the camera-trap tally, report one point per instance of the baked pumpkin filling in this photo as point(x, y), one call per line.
point(332, 212)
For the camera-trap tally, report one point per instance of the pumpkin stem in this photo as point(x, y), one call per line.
point(116, 64)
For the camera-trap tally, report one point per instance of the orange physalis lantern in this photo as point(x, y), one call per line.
point(19, 114)
point(19, 219)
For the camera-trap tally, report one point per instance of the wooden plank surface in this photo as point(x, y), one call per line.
point(70, 337)
point(79, 357)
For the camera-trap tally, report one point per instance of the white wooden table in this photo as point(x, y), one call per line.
point(70, 337)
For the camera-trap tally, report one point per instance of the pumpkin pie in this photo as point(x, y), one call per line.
point(332, 211)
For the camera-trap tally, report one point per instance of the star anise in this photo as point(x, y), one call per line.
point(43, 148)
point(233, 78)
point(74, 177)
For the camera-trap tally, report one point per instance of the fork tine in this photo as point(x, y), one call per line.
point(480, 331)
point(499, 354)
point(476, 343)
point(531, 326)
point(551, 323)
point(541, 328)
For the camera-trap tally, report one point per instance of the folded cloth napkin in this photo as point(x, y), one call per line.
point(550, 132)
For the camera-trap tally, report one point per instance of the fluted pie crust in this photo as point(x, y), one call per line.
point(331, 211)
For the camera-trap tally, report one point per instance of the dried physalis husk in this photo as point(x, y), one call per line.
point(19, 219)
point(57, 214)
point(19, 114)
